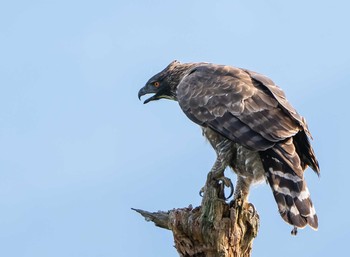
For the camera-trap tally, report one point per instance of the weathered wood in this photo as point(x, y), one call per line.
point(214, 229)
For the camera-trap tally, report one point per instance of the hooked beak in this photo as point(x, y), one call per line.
point(148, 89)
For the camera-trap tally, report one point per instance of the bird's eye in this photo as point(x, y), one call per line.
point(156, 84)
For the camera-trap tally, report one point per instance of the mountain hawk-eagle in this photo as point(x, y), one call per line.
point(252, 127)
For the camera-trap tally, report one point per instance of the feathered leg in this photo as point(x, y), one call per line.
point(242, 188)
point(224, 156)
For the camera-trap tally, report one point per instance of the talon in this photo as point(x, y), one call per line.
point(228, 183)
point(253, 210)
point(294, 232)
point(225, 182)
point(201, 192)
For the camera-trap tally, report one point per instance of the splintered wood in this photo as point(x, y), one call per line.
point(214, 229)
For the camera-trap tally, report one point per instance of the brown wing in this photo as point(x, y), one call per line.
point(237, 104)
point(280, 97)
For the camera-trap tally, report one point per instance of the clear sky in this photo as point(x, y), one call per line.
point(78, 150)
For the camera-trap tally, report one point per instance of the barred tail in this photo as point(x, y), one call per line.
point(285, 176)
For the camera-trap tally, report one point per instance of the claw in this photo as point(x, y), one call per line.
point(225, 182)
point(201, 192)
point(252, 208)
point(294, 232)
point(228, 183)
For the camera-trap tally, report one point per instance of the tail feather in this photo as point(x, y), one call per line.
point(288, 185)
point(305, 151)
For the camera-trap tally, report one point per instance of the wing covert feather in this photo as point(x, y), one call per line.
point(229, 101)
point(281, 98)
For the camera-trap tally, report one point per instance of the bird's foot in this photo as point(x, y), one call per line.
point(294, 232)
point(226, 182)
point(242, 203)
point(221, 181)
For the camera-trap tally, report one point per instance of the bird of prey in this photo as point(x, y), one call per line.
point(252, 127)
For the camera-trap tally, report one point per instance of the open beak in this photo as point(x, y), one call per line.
point(148, 89)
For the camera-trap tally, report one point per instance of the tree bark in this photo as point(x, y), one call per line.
point(214, 229)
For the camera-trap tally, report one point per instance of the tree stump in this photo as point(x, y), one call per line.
point(214, 229)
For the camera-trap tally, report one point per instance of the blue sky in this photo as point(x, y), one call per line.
point(78, 150)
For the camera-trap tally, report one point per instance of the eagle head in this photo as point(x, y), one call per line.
point(163, 84)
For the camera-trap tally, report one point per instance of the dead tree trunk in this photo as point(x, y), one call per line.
point(214, 229)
